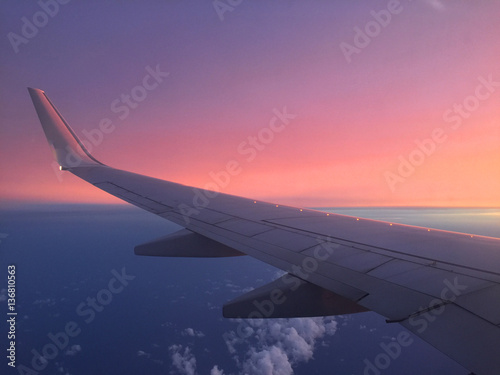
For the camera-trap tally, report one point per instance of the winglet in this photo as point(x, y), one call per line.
point(69, 151)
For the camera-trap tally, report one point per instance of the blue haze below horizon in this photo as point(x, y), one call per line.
point(65, 253)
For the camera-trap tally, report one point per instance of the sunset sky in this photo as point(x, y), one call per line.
point(379, 103)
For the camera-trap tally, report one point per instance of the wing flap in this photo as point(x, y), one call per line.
point(185, 243)
point(289, 297)
point(485, 303)
point(465, 337)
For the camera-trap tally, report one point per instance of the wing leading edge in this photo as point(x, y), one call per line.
point(443, 286)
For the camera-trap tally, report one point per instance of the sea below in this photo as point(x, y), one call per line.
point(86, 304)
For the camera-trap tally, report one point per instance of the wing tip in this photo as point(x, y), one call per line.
point(69, 150)
point(33, 90)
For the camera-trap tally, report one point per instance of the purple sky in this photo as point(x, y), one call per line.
point(358, 116)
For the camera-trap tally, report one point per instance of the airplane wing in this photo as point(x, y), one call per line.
point(443, 286)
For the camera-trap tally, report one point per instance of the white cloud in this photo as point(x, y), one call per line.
point(73, 350)
point(183, 360)
point(193, 333)
point(231, 339)
point(275, 346)
point(269, 361)
point(61, 369)
point(142, 353)
point(216, 371)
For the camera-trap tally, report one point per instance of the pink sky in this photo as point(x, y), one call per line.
point(354, 121)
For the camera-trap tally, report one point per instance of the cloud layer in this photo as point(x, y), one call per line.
point(275, 346)
point(183, 360)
